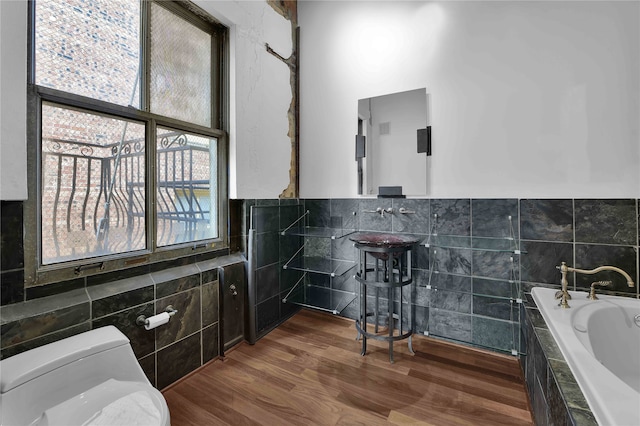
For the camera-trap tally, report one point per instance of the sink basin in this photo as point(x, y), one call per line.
point(383, 240)
point(379, 242)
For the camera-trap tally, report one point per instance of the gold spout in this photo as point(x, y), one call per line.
point(630, 282)
point(564, 294)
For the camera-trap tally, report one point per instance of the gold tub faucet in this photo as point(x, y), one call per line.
point(564, 295)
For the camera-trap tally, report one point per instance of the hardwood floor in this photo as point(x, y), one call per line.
point(309, 371)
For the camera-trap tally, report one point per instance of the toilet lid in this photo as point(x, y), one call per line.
point(111, 403)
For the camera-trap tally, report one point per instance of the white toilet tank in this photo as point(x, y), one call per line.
point(92, 378)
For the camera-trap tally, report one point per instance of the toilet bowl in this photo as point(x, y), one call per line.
point(92, 378)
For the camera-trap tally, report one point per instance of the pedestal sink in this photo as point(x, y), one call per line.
point(374, 239)
point(384, 242)
point(388, 270)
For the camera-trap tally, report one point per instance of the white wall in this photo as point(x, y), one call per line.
point(260, 149)
point(527, 99)
point(13, 100)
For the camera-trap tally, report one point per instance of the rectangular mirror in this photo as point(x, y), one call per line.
point(393, 142)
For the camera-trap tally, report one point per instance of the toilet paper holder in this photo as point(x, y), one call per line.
point(142, 320)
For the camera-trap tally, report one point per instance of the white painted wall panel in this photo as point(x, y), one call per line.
point(260, 95)
point(260, 149)
point(527, 99)
point(13, 100)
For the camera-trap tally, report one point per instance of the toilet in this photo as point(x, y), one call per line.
point(92, 378)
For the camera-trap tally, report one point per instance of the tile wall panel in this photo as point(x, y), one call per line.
point(497, 218)
point(210, 302)
point(186, 321)
point(117, 302)
point(319, 212)
point(11, 253)
point(46, 338)
point(347, 212)
point(546, 220)
point(453, 216)
point(273, 251)
point(590, 256)
point(142, 341)
point(463, 293)
point(269, 276)
point(178, 360)
point(372, 221)
point(191, 338)
point(606, 221)
point(554, 394)
point(540, 261)
point(210, 343)
point(416, 221)
point(492, 333)
point(585, 233)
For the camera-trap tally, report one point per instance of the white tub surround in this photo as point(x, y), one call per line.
point(600, 341)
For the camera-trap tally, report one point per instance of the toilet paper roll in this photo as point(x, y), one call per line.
point(156, 320)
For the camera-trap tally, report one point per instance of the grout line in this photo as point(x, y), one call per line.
point(573, 225)
point(638, 249)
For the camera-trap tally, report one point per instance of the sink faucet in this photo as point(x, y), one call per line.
point(379, 210)
point(564, 295)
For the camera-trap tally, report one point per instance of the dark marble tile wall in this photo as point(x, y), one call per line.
point(11, 253)
point(444, 302)
point(13, 288)
point(167, 353)
point(270, 282)
point(464, 294)
point(34, 316)
point(583, 233)
point(555, 396)
point(460, 293)
point(33, 324)
point(337, 293)
point(237, 230)
point(451, 216)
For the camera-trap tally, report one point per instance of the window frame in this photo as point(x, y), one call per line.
point(35, 272)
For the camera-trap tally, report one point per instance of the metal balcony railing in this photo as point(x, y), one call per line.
point(94, 200)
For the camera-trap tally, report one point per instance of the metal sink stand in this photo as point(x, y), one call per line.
point(385, 268)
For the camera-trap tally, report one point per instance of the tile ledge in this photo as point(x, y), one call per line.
point(35, 307)
point(221, 261)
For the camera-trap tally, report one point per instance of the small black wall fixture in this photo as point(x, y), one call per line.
point(424, 140)
point(360, 154)
point(360, 146)
point(390, 192)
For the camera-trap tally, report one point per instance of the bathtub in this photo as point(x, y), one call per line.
point(600, 342)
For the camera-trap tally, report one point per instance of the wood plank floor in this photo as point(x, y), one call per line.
point(309, 371)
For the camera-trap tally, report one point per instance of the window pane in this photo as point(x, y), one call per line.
point(180, 74)
point(186, 188)
point(89, 48)
point(89, 162)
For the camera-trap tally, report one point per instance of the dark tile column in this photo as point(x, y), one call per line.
point(11, 253)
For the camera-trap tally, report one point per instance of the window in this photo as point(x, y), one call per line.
point(93, 195)
point(186, 187)
point(131, 151)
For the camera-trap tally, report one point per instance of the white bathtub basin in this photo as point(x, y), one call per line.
point(601, 344)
